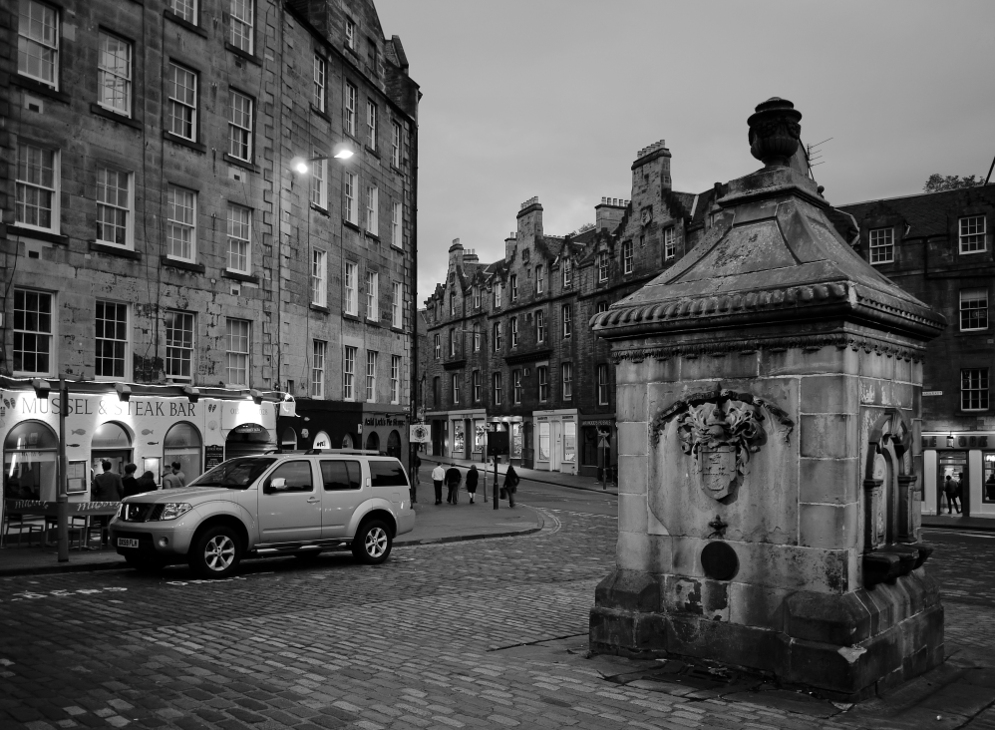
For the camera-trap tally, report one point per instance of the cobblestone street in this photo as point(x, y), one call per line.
point(478, 634)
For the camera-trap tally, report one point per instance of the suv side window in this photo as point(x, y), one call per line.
point(340, 476)
point(388, 474)
point(297, 474)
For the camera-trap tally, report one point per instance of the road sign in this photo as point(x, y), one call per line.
point(603, 443)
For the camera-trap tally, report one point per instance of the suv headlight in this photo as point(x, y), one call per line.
point(172, 510)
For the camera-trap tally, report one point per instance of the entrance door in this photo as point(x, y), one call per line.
point(110, 443)
point(556, 447)
point(292, 512)
point(954, 465)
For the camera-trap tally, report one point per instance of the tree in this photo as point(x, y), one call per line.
point(937, 183)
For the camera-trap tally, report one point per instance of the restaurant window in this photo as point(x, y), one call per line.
point(184, 444)
point(30, 461)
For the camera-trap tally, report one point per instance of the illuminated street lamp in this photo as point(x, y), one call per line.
point(341, 151)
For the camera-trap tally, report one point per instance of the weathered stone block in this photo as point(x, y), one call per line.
point(829, 526)
point(633, 551)
point(732, 365)
point(796, 361)
point(829, 394)
point(828, 436)
point(633, 438)
point(742, 646)
point(828, 481)
point(662, 371)
point(628, 590)
point(841, 620)
point(631, 403)
point(754, 605)
point(632, 478)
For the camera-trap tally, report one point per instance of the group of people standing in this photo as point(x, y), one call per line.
point(453, 477)
point(109, 486)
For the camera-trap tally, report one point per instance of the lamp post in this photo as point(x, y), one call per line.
point(42, 389)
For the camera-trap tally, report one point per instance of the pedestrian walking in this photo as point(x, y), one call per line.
point(951, 488)
point(175, 478)
point(453, 479)
point(415, 479)
point(471, 481)
point(438, 475)
point(107, 487)
point(129, 484)
point(510, 485)
point(146, 483)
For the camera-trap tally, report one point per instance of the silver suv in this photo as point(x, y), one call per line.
point(271, 504)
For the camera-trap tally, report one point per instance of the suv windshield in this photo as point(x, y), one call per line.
point(237, 473)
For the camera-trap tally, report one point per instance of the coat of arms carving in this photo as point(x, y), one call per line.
point(721, 430)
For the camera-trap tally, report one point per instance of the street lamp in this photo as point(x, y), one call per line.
point(301, 165)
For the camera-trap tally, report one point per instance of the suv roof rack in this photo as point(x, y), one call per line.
point(369, 452)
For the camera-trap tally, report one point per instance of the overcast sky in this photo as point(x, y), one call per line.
point(554, 98)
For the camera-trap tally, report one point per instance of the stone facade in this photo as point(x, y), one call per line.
point(768, 411)
point(154, 219)
point(511, 325)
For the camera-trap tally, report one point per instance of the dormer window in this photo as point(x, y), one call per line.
point(882, 245)
point(567, 272)
point(603, 266)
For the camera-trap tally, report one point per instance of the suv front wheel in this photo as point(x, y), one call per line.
point(372, 543)
point(216, 553)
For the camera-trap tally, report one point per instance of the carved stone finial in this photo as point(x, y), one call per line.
point(774, 132)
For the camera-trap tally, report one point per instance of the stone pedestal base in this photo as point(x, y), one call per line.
point(844, 647)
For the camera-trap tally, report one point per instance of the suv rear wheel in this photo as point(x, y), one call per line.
point(372, 543)
point(216, 553)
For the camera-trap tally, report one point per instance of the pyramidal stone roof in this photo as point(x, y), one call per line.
point(774, 257)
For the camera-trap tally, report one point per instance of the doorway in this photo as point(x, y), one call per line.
point(954, 465)
point(111, 442)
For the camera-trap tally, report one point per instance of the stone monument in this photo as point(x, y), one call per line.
point(769, 407)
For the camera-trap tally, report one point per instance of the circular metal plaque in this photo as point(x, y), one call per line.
point(719, 561)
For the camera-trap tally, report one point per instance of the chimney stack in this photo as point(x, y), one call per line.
point(530, 220)
point(609, 212)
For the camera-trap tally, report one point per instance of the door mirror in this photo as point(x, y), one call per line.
point(278, 484)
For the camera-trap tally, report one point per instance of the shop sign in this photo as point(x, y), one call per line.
point(25, 404)
point(420, 434)
point(249, 428)
point(213, 455)
point(930, 393)
point(599, 422)
point(374, 421)
point(964, 441)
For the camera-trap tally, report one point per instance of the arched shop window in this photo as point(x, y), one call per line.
point(111, 442)
point(248, 439)
point(347, 441)
point(184, 444)
point(321, 441)
point(30, 461)
point(288, 439)
point(373, 441)
point(394, 444)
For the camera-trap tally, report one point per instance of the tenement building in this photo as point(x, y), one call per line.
point(510, 345)
point(939, 247)
point(207, 234)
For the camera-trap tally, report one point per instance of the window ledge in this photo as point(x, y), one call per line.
point(320, 308)
point(238, 276)
point(181, 264)
point(38, 87)
point(245, 164)
point(353, 226)
point(373, 151)
point(22, 232)
point(115, 117)
point(183, 142)
point(318, 209)
point(374, 236)
point(125, 253)
point(170, 15)
point(321, 113)
point(353, 317)
point(251, 58)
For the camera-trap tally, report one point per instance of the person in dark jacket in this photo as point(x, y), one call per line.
point(510, 485)
point(129, 485)
point(146, 483)
point(453, 479)
point(107, 487)
point(471, 481)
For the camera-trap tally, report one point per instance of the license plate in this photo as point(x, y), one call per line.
point(127, 542)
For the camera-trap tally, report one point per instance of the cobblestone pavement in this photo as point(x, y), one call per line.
point(482, 634)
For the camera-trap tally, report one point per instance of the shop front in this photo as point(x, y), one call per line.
point(386, 431)
point(149, 426)
point(322, 424)
point(466, 431)
point(597, 444)
point(555, 440)
point(966, 457)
